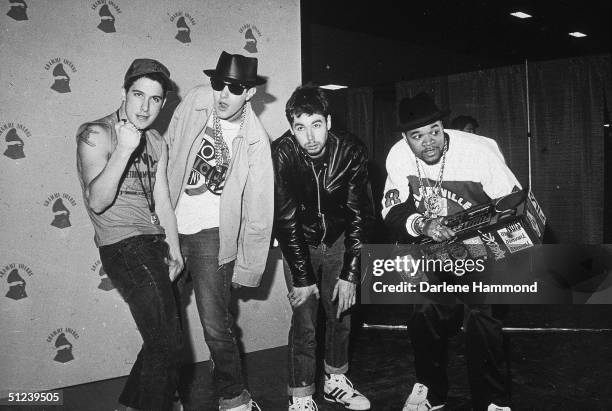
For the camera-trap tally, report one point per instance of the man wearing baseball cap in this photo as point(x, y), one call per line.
point(121, 164)
point(222, 187)
point(432, 173)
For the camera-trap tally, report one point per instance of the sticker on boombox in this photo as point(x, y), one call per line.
point(515, 237)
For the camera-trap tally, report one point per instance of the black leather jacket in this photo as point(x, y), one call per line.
point(317, 204)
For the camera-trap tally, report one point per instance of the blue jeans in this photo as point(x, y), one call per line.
point(137, 268)
point(212, 288)
point(326, 263)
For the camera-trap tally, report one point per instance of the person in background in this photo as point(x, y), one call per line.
point(465, 123)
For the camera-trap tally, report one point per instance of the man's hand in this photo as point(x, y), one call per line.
point(175, 266)
point(299, 295)
point(437, 230)
point(345, 292)
point(128, 136)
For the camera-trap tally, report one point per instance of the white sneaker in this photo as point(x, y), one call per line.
point(493, 407)
point(302, 404)
point(339, 389)
point(249, 406)
point(177, 405)
point(417, 400)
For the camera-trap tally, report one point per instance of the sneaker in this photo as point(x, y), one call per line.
point(417, 400)
point(493, 407)
point(249, 406)
point(339, 389)
point(177, 405)
point(302, 404)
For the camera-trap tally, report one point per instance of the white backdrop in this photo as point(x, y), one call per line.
point(53, 294)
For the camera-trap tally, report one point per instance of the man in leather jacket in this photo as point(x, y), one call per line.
point(322, 215)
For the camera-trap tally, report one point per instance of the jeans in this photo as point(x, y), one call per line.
point(326, 263)
point(430, 327)
point(212, 288)
point(137, 268)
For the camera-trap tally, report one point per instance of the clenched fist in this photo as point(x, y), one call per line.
point(128, 136)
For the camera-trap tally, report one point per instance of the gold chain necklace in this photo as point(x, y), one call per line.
point(222, 154)
point(432, 197)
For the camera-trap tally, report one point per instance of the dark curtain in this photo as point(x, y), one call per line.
point(360, 116)
point(496, 99)
point(567, 106)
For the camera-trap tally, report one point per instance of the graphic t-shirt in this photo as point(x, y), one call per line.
point(474, 173)
point(198, 205)
point(129, 214)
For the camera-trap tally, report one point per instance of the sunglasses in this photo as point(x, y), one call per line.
point(218, 85)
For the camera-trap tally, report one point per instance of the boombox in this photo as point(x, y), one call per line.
point(493, 230)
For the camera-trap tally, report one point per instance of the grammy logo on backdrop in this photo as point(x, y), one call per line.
point(183, 20)
point(105, 282)
point(18, 10)
point(107, 18)
point(61, 340)
point(61, 79)
point(15, 280)
point(14, 143)
point(61, 214)
point(251, 34)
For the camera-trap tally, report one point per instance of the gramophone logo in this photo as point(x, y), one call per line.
point(61, 214)
point(105, 282)
point(12, 134)
point(251, 35)
point(183, 21)
point(107, 11)
point(62, 340)
point(18, 10)
point(61, 79)
point(15, 275)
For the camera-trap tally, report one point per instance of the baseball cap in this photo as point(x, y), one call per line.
point(144, 66)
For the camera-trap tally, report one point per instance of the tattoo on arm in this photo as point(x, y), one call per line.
point(84, 136)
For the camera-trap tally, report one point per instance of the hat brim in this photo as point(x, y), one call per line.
point(423, 121)
point(258, 80)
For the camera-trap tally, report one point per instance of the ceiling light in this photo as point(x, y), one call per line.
point(332, 87)
point(521, 15)
point(577, 34)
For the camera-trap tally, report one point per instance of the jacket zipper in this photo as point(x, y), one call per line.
point(321, 215)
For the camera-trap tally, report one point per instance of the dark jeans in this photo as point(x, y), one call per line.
point(137, 268)
point(212, 287)
point(430, 327)
point(327, 264)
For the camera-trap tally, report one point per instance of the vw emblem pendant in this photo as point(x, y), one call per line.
point(154, 218)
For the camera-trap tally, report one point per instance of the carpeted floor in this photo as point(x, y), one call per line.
point(569, 370)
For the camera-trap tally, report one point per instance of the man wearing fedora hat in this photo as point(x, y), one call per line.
point(433, 173)
point(221, 185)
point(121, 165)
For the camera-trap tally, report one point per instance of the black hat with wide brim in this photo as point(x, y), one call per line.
point(236, 69)
point(418, 111)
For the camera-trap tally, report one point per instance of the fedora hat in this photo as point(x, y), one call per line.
point(237, 69)
point(418, 111)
